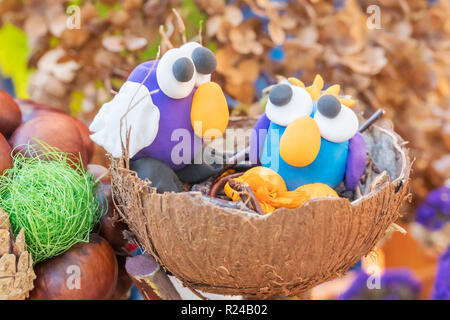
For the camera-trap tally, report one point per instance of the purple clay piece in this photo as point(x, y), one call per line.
point(434, 212)
point(356, 161)
point(395, 284)
point(174, 114)
point(441, 289)
point(141, 265)
point(258, 137)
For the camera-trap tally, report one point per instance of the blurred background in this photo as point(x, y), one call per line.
point(390, 54)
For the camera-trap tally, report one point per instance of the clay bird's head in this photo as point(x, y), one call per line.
point(310, 116)
point(184, 74)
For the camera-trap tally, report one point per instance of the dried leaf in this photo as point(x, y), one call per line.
point(63, 71)
point(36, 26)
point(234, 15)
point(276, 33)
point(135, 43)
point(113, 43)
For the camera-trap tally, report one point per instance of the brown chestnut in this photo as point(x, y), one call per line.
point(10, 114)
point(5, 155)
point(124, 281)
point(56, 130)
point(88, 271)
point(32, 109)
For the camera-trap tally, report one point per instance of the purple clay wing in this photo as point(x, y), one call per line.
point(356, 161)
point(258, 138)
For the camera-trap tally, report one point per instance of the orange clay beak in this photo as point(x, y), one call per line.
point(300, 142)
point(209, 112)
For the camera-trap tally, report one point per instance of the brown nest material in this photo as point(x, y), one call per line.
point(236, 252)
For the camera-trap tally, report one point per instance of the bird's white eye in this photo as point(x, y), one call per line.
point(189, 47)
point(204, 61)
point(287, 103)
point(337, 123)
point(176, 74)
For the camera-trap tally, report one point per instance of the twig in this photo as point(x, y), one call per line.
point(165, 38)
point(238, 157)
point(221, 183)
point(200, 31)
point(180, 24)
point(373, 118)
point(246, 194)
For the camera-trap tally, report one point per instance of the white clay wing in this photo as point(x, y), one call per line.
point(142, 120)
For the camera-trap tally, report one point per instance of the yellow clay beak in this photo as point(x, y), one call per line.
point(209, 112)
point(300, 142)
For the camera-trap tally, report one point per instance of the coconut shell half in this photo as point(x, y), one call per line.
point(232, 252)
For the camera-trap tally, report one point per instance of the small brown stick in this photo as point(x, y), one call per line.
point(231, 162)
point(373, 118)
point(200, 31)
point(246, 194)
point(240, 189)
point(165, 38)
point(180, 24)
point(239, 156)
point(221, 183)
point(148, 277)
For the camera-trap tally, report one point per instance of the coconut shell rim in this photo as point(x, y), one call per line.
point(400, 180)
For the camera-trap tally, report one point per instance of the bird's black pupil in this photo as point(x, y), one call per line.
point(204, 60)
point(183, 69)
point(281, 94)
point(329, 106)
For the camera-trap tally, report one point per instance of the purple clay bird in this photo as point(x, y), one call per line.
point(169, 111)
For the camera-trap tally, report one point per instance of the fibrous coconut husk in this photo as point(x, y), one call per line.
point(284, 253)
point(16, 265)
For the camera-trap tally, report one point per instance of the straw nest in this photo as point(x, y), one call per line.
point(284, 253)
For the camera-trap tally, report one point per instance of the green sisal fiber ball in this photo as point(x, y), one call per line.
point(52, 198)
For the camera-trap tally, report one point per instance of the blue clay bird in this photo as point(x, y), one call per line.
point(309, 136)
point(169, 106)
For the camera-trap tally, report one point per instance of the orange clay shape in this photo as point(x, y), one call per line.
point(271, 191)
